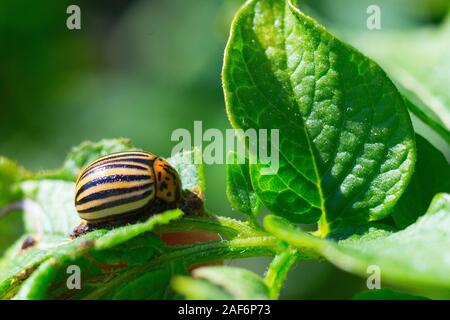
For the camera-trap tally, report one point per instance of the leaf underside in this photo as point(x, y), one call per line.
point(240, 191)
point(222, 282)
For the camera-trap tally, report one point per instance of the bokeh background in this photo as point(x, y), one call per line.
point(141, 69)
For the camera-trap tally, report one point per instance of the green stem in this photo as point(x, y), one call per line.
point(221, 250)
point(323, 229)
point(428, 119)
point(278, 270)
point(228, 227)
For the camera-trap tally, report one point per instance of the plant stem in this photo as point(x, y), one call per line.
point(323, 228)
point(278, 270)
point(221, 250)
point(228, 227)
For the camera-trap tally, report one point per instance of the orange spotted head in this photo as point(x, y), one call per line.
point(168, 185)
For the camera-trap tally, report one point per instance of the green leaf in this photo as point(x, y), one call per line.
point(221, 282)
point(105, 274)
point(191, 173)
point(49, 207)
point(386, 294)
point(154, 285)
point(199, 289)
point(35, 287)
point(102, 256)
point(414, 259)
point(346, 146)
point(431, 176)
point(240, 192)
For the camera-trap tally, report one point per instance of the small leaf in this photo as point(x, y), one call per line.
point(221, 282)
point(100, 254)
point(199, 289)
point(154, 285)
point(431, 176)
point(347, 147)
point(240, 192)
point(191, 173)
point(415, 259)
point(119, 235)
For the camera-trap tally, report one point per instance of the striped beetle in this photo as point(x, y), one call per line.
point(126, 184)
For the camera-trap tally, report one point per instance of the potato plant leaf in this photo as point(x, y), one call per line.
point(221, 282)
point(192, 175)
point(99, 254)
point(415, 259)
point(346, 146)
point(113, 262)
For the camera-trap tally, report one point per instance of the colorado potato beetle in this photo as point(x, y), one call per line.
point(126, 184)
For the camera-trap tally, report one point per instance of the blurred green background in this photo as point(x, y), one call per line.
point(141, 69)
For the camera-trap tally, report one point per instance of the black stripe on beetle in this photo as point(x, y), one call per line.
point(110, 179)
point(117, 202)
point(120, 155)
point(100, 195)
point(107, 166)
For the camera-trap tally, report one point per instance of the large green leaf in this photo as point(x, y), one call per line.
point(222, 282)
point(346, 142)
point(100, 254)
point(416, 259)
point(431, 176)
